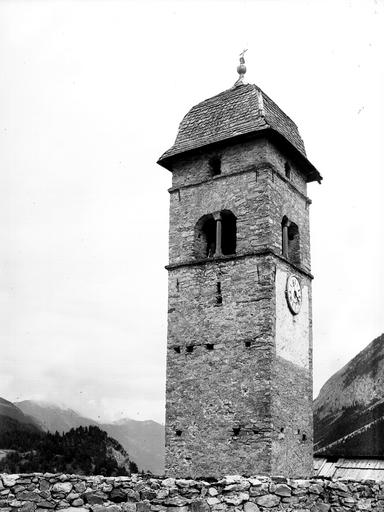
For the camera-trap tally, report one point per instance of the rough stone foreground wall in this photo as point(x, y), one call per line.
point(73, 493)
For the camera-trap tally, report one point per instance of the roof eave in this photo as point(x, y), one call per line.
point(312, 174)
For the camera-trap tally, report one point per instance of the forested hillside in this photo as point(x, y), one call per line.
point(85, 450)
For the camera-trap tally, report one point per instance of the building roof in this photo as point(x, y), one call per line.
point(239, 112)
point(350, 469)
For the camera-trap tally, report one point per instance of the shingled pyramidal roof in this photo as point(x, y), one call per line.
point(237, 113)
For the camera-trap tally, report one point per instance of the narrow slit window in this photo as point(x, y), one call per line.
point(219, 297)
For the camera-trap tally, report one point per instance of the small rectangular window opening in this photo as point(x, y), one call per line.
point(236, 431)
point(177, 350)
point(287, 169)
point(190, 348)
point(215, 165)
point(219, 297)
point(178, 433)
point(209, 346)
point(304, 437)
point(247, 344)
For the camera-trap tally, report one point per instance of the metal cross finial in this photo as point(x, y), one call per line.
point(241, 69)
point(242, 55)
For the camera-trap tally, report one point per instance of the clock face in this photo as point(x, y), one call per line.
point(294, 294)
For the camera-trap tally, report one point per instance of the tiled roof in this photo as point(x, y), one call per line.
point(238, 111)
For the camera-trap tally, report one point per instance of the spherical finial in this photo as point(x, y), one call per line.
point(241, 69)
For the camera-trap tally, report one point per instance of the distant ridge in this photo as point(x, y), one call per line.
point(11, 417)
point(349, 411)
point(51, 417)
point(143, 440)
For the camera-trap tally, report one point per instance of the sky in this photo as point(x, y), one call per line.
point(91, 94)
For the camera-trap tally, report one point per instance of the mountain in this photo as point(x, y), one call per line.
point(143, 440)
point(349, 411)
point(51, 417)
point(12, 418)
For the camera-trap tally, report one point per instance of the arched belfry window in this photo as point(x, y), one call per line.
point(290, 240)
point(215, 235)
point(205, 237)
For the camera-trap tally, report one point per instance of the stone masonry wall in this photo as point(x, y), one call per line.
point(74, 493)
point(218, 368)
point(292, 380)
point(223, 380)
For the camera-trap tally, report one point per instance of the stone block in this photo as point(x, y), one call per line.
point(268, 500)
point(47, 504)
point(62, 487)
point(128, 507)
point(143, 506)
point(78, 502)
point(73, 509)
point(364, 504)
point(169, 482)
point(9, 480)
point(249, 506)
point(117, 495)
point(316, 489)
point(28, 507)
point(105, 508)
point(199, 506)
point(16, 504)
point(44, 485)
point(283, 490)
point(80, 487)
point(95, 497)
point(236, 499)
point(321, 507)
point(29, 496)
point(148, 494)
point(255, 482)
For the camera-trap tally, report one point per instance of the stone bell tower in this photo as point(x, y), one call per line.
point(239, 359)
